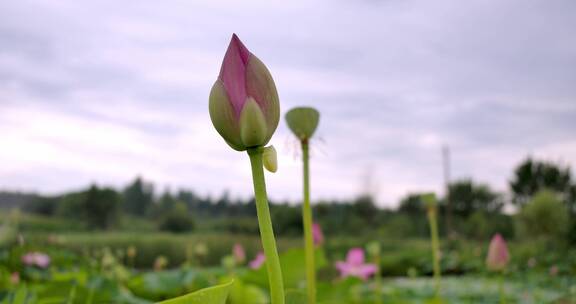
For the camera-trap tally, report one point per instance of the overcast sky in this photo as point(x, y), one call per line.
point(94, 91)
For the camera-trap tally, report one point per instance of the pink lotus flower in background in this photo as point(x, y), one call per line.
point(498, 256)
point(239, 254)
point(15, 278)
point(354, 265)
point(553, 271)
point(243, 103)
point(39, 259)
point(258, 261)
point(317, 234)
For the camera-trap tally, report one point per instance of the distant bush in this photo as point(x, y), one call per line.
point(177, 220)
point(401, 225)
point(544, 216)
point(481, 225)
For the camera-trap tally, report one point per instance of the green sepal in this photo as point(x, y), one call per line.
point(270, 159)
point(223, 116)
point(253, 130)
point(261, 87)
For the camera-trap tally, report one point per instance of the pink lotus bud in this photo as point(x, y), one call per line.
point(498, 256)
point(317, 234)
point(239, 254)
point(258, 261)
point(244, 105)
point(15, 278)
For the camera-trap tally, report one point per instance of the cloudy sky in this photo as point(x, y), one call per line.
point(94, 91)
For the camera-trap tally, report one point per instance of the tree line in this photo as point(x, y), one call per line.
point(543, 194)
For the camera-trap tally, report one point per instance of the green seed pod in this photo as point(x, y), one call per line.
point(429, 200)
point(373, 248)
point(303, 121)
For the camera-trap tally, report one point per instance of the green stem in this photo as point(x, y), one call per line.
point(307, 220)
point(71, 295)
point(378, 279)
point(435, 249)
point(501, 288)
point(266, 231)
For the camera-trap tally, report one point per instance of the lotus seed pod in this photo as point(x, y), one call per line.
point(303, 121)
point(429, 200)
point(373, 248)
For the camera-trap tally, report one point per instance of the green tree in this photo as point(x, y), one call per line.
point(138, 197)
point(467, 198)
point(97, 208)
point(364, 208)
point(532, 176)
point(412, 204)
point(544, 216)
point(101, 207)
point(167, 202)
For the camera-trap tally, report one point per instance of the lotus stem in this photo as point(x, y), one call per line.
point(307, 220)
point(435, 249)
point(265, 225)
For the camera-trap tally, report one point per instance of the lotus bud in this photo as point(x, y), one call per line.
point(303, 121)
point(160, 263)
point(243, 103)
point(239, 254)
point(131, 252)
point(228, 262)
point(498, 256)
point(270, 159)
point(317, 235)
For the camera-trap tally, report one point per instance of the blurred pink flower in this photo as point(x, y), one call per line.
point(258, 261)
point(354, 265)
point(498, 256)
point(317, 234)
point(39, 259)
point(239, 254)
point(553, 271)
point(15, 278)
point(532, 262)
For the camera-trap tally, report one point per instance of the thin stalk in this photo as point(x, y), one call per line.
point(265, 225)
point(378, 280)
point(501, 288)
point(71, 295)
point(435, 249)
point(307, 220)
